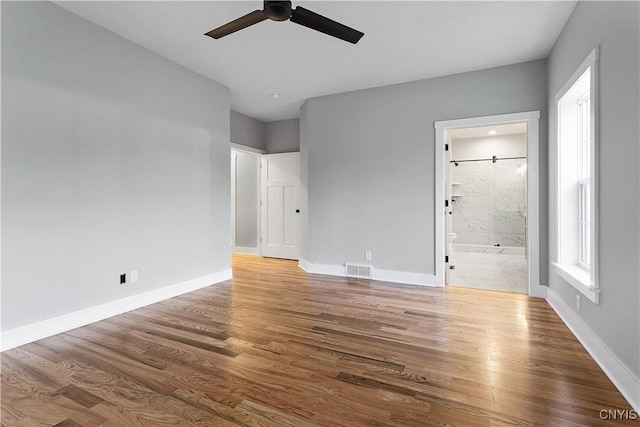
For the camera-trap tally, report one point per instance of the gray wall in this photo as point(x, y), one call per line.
point(613, 27)
point(282, 136)
point(113, 159)
point(370, 160)
point(247, 131)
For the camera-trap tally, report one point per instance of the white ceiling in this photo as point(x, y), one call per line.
point(403, 41)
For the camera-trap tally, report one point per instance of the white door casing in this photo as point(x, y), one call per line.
point(234, 159)
point(280, 219)
point(531, 118)
point(447, 211)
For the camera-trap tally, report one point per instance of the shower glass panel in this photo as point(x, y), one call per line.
point(491, 209)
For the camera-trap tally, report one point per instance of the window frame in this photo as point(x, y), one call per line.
point(584, 224)
point(577, 192)
point(584, 181)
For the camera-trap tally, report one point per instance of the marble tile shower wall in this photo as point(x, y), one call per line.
point(491, 208)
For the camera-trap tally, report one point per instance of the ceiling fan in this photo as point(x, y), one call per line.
point(281, 11)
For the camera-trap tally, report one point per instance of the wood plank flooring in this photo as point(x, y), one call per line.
point(278, 347)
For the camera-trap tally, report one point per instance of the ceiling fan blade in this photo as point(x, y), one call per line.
point(312, 20)
point(237, 24)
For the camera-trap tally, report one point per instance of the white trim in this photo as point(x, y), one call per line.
point(246, 148)
point(590, 288)
point(234, 174)
point(624, 380)
point(330, 270)
point(592, 58)
point(532, 119)
point(56, 325)
point(440, 225)
point(404, 277)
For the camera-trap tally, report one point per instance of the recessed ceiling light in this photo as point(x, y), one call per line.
point(275, 95)
point(492, 132)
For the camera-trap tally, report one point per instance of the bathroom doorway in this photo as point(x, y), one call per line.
point(487, 173)
point(487, 217)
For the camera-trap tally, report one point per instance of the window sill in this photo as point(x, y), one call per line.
point(580, 279)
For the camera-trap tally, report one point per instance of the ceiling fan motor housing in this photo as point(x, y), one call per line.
point(277, 10)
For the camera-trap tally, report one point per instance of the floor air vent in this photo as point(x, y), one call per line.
point(359, 271)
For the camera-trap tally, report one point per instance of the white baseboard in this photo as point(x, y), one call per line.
point(624, 380)
point(330, 270)
point(403, 277)
point(246, 250)
point(46, 328)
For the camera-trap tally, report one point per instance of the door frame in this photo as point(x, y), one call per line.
point(532, 120)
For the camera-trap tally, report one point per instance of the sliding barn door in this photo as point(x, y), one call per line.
point(280, 212)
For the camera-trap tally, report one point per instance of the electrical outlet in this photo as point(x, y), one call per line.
point(123, 278)
point(367, 255)
point(134, 276)
point(578, 302)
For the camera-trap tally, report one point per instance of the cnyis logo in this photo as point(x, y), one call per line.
point(618, 414)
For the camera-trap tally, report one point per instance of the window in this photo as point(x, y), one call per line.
point(576, 208)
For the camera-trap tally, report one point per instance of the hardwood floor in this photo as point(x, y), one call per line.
point(278, 347)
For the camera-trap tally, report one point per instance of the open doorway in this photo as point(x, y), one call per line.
point(245, 200)
point(264, 203)
point(446, 133)
point(486, 187)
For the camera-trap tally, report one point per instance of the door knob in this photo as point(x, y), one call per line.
point(297, 210)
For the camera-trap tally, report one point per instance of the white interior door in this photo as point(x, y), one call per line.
point(279, 213)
